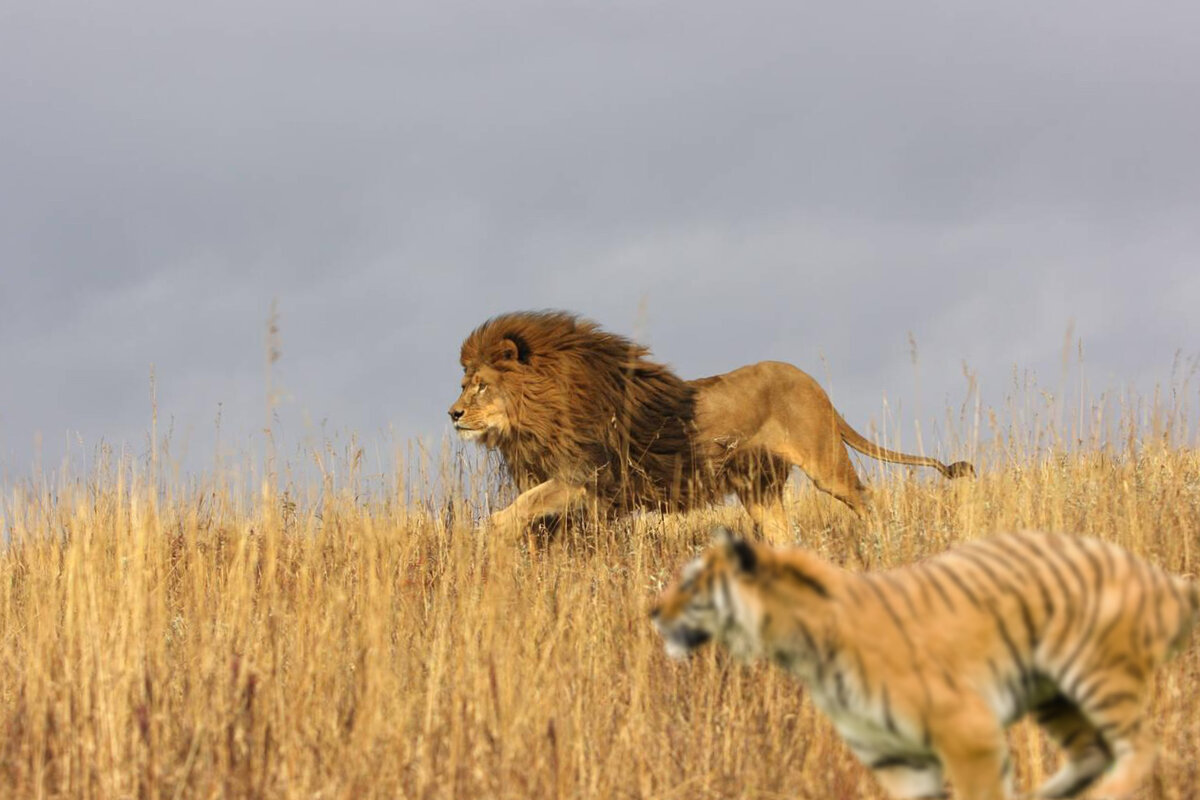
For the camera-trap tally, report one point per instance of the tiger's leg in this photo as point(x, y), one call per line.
point(1087, 754)
point(974, 752)
point(910, 779)
point(1135, 756)
point(1114, 703)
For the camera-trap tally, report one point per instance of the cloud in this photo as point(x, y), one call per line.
point(732, 183)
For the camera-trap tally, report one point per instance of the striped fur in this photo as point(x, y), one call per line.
point(921, 668)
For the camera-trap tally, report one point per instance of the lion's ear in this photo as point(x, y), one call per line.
point(506, 350)
point(510, 349)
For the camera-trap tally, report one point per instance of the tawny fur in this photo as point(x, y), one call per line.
point(921, 668)
point(580, 414)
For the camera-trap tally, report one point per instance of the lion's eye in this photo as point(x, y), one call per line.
point(482, 388)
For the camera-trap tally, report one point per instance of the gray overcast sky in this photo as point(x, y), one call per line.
point(808, 182)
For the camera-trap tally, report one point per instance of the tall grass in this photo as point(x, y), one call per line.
point(173, 640)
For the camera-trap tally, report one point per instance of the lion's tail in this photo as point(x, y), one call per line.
point(959, 469)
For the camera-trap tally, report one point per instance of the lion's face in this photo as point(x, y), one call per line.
point(482, 410)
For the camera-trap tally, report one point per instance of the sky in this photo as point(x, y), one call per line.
point(837, 185)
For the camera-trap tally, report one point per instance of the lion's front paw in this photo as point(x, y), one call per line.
point(501, 525)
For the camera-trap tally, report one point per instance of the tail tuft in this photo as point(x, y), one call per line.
point(960, 469)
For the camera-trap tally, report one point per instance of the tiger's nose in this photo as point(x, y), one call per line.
point(455, 414)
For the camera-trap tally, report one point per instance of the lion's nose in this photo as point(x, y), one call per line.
point(456, 414)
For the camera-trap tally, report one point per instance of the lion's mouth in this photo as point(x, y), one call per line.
point(468, 432)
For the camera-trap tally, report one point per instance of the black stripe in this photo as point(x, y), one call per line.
point(1005, 545)
point(1115, 731)
point(1015, 591)
point(1113, 699)
point(912, 649)
point(1083, 689)
point(1106, 550)
point(957, 581)
point(907, 761)
point(839, 689)
point(1055, 547)
point(891, 612)
point(1066, 741)
point(832, 648)
point(918, 577)
point(1013, 651)
point(1097, 568)
point(1091, 605)
point(929, 576)
point(848, 588)
point(811, 644)
point(803, 578)
point(1116, 620)
point(863, 683)
point(970, 555)
point(1051, 709)
point(888, 721)
point(1135, 565)
point(1037, 547)
point(898, 586)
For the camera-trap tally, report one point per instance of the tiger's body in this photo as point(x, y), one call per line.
point(921, 668)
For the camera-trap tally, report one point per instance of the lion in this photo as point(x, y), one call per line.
point(580, 415)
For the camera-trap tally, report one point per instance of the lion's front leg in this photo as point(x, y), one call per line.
point(551, 497)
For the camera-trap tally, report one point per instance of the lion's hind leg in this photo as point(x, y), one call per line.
point(761, 493)
point(831, 470)
point(1087, 754)
point(770, 519)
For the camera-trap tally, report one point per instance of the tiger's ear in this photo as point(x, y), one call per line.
point(739, 550)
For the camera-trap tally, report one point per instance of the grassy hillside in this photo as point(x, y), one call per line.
point(335, 643)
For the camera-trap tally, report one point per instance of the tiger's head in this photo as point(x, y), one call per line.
point(714, 597)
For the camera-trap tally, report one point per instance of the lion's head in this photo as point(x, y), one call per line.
point(482, 411)
point(500, 381)
point(561, 398)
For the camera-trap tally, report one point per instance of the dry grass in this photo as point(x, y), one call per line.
point(191, 642)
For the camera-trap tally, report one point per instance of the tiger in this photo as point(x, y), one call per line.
point(921, 668)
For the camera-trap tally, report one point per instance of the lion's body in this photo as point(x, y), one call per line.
point(578, 413)
point(921, 668)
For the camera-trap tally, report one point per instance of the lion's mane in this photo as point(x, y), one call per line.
point(588, 407)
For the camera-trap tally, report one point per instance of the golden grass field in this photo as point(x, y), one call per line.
point(336, 641)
